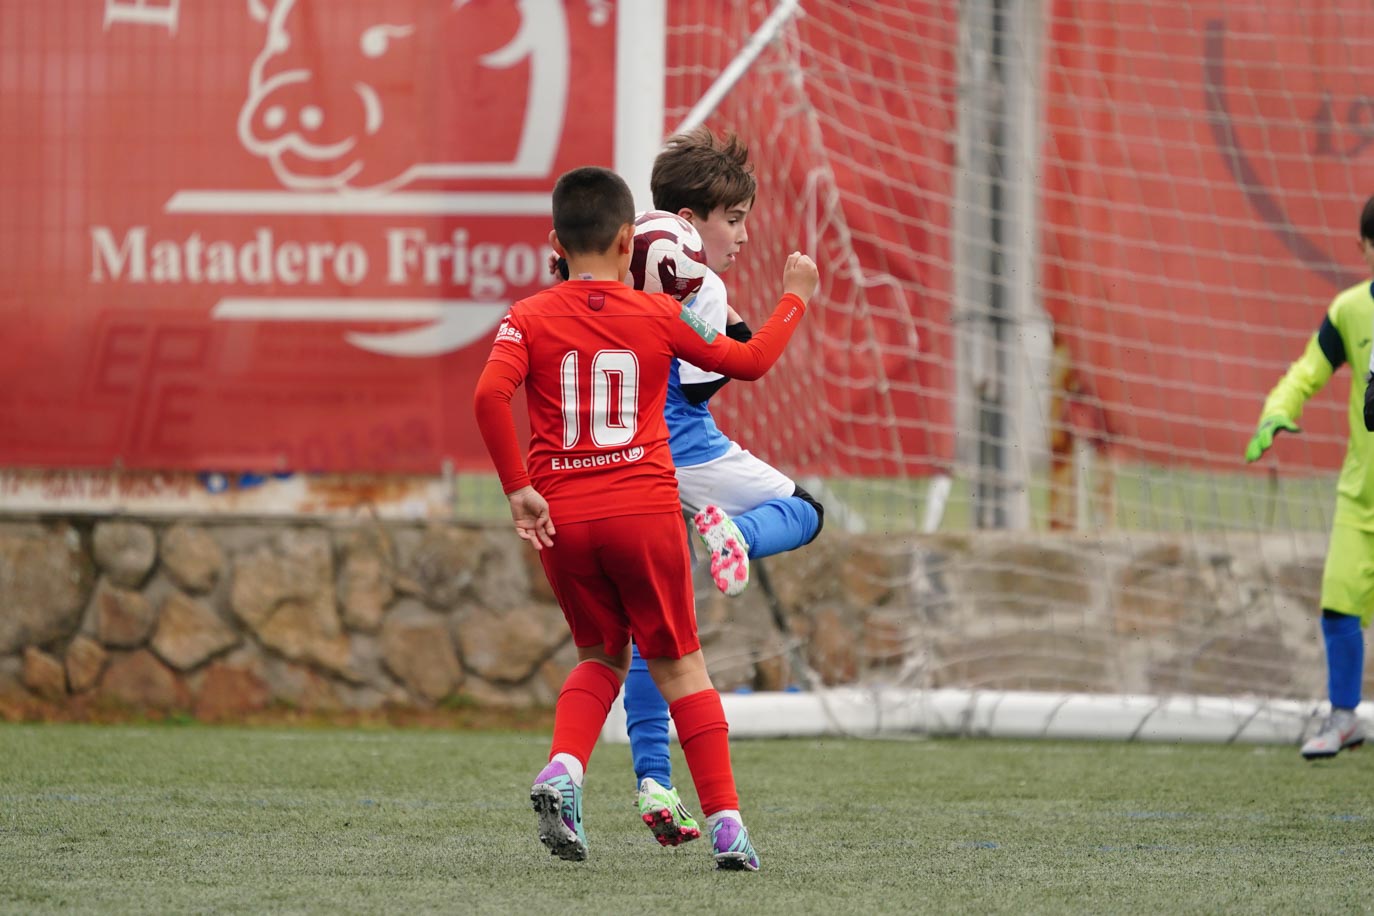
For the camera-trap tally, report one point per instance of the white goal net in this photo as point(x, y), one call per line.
point(1067, 249)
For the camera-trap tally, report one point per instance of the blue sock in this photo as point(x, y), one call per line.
point(646, 720)
point(1344, 658)
point(778, 526)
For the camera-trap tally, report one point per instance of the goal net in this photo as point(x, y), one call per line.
point(1067, 248)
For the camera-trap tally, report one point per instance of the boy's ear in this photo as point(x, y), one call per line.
point(557, 245)
point(687, 214)
point(625, 239)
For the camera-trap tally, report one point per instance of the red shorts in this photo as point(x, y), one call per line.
point(622, 577)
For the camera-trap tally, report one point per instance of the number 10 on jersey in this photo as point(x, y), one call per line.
point(615, 398)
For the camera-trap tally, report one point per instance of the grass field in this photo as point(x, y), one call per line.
point(166, 819)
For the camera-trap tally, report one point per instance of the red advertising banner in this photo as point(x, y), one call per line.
point(277, 234)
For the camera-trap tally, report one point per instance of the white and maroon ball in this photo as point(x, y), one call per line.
point(668, 256)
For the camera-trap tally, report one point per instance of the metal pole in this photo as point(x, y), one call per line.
point(998, 322)
point(736, 69)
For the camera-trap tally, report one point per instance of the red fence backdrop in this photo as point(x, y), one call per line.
point(1204, 167)
point(276, 234)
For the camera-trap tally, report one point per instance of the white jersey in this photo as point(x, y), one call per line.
point(692, 433)
point(710, 467)
point(711, 305)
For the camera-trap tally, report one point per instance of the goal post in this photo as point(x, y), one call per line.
point(886, 712)
point(639, 101)
point(1004, 339)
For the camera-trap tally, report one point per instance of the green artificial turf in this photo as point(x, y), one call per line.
point(174, 819)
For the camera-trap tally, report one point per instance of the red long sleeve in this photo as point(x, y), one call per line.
point(748, 360)
point(491, 403)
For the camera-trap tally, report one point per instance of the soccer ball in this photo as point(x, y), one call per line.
point(668, 256)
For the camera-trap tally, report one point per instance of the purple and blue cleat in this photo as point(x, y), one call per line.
point(558, 802)
point(731, 847)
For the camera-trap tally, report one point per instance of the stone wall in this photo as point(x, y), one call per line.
point(219, 619)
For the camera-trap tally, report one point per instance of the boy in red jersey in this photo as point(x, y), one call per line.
point(595, 357)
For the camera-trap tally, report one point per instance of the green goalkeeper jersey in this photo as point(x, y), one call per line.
point(1344, 337)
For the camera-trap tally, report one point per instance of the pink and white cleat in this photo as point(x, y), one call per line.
point(729, 553)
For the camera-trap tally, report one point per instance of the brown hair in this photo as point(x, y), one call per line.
point(590, 205)
point(701, 172)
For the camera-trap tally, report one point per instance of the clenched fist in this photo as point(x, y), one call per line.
point(800, 276)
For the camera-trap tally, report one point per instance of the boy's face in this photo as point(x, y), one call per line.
point(722, 232)
point(1366, 252)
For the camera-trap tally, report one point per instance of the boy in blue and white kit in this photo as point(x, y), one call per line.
point(744, 508)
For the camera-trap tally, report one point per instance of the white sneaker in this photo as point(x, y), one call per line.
point(729, 553)
point(1340, 730)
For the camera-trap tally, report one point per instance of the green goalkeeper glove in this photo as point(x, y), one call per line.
point(1264, 436)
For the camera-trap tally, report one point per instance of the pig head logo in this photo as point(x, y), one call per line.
point(380, 94)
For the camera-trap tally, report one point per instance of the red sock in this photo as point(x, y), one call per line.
point(704, 735)
point(583, 705)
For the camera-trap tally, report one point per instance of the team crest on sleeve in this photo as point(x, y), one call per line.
point(704, 330)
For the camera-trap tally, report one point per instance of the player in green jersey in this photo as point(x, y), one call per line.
point(1348, 579)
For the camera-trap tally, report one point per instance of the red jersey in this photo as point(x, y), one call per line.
point(595, 357)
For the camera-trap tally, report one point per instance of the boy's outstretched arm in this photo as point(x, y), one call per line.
point(1307, 375)
point(496, 422)
point(704, 347)
point(736, 328)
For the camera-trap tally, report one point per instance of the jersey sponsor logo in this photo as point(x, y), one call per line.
point(509, 332)
point(622, 456)
point(698, 324)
